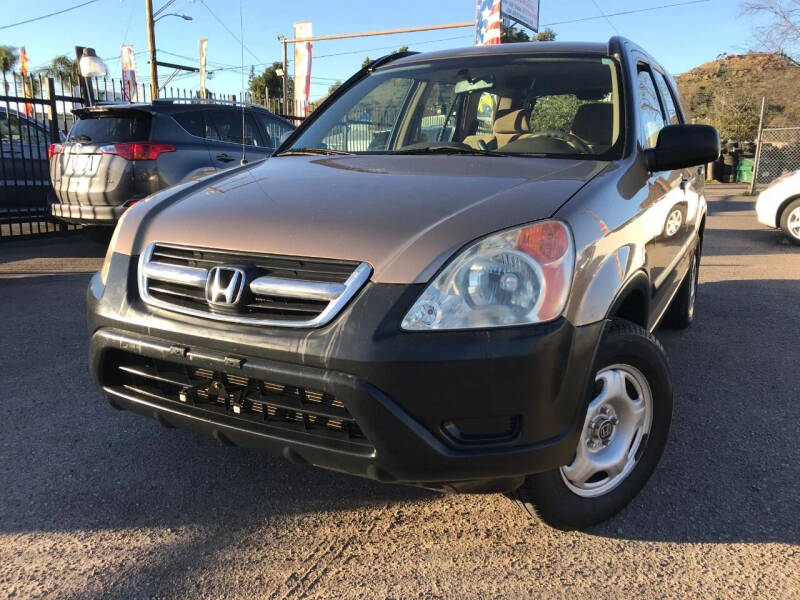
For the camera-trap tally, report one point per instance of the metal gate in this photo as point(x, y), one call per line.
point(34, 112)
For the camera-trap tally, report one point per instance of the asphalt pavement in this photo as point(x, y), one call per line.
point(96, 503)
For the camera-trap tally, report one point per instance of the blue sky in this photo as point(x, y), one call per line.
point(680, 37)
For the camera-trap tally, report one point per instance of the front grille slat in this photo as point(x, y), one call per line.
point(243, 401)
point(279, 290)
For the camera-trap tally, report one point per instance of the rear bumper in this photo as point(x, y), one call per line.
point(87, 215)
point(429, 404)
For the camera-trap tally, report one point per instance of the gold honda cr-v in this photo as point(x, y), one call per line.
point(448, 276)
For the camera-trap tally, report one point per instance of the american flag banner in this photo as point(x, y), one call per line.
point(488, 18)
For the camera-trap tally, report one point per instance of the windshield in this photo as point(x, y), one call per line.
point(509, 104)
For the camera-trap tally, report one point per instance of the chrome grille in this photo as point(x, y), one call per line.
point(259, 405)
point(281, 290)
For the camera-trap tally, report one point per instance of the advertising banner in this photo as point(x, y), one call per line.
point(302, 69)
point(524, 12)
point(26, 83)
point(130, 89)
point(488, 19)
point(203, 51)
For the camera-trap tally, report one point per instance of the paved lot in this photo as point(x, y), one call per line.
point(99, 503)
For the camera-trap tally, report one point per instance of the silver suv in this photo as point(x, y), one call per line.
point(448, 276)
point(117, 154)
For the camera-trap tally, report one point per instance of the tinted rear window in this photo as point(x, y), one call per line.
point(192, 122)
point(111, 128)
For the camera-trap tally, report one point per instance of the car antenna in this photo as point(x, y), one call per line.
point(241, 40)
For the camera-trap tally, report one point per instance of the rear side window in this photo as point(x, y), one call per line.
point(192, 122)
point(274, 129)
point(111, 128)
point(226, 126)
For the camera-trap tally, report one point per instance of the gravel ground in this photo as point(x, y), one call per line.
point(96, 503)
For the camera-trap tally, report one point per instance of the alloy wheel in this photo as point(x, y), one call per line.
point(793, 223)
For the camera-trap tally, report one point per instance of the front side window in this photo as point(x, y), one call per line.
point(509, 104)
point(273, 128)
point(651, 118)
point(669, 101)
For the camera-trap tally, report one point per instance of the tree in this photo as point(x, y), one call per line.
point(9, 57)
point(545, 35)
point(269, 81)
point(333, 87)
point(510, 35)
point(782, 32)
point(368, 60)
point(63, 68)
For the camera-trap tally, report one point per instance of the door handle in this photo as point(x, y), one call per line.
point(225, 158)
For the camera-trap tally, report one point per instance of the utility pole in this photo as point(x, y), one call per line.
point(757, 160)
point(151, 40)
point(285, 75)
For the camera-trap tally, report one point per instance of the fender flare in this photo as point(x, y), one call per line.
point(639, 282)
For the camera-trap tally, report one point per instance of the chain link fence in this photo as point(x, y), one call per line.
point(778, 153)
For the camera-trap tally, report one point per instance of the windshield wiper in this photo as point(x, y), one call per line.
point(450, 150)
point(313, 151)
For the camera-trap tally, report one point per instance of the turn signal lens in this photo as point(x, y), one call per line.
point(54, 150)
point(545, 242)
point(516, 277)
point(137, 150)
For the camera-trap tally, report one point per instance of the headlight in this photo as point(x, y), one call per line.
point(516, 277)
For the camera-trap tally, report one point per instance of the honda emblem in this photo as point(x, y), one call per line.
point(225, 285)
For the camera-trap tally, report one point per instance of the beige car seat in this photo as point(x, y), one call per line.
point(508, 126)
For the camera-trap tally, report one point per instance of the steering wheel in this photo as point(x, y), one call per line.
point(568, 138)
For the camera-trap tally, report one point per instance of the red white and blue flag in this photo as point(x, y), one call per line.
point(488, 18)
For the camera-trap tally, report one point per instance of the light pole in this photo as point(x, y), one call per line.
point(151, 41)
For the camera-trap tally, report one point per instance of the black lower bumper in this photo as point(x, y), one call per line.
point(471, 410)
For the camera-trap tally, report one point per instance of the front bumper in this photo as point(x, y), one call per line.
point(87, 215)
point(767, 207)
point(431, 406)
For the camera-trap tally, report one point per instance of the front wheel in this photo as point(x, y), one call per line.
point(790, 221)
point(622, 438)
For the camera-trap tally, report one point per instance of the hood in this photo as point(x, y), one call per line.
point(404, 215)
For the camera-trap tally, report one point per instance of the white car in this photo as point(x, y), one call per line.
point(779, 205)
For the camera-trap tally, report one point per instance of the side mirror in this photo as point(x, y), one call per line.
point(682, 146)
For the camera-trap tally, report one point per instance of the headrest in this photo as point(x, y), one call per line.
point(594, 123)
point(511, 121)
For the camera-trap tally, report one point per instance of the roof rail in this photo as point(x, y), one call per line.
point(206, 101)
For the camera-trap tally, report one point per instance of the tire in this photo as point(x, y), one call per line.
point(790, 221)
point(630, 350)
point(680, 313)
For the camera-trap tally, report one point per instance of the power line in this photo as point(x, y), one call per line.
point(52, 14)
point(233, 35)
point(626, 12)
point(600, 10)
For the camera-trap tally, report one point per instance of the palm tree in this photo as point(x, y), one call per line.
point(63, 68)
point(9, 57)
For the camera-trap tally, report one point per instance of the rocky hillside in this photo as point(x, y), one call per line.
point(727, 92)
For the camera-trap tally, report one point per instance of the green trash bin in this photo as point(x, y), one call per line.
point(744, 172)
